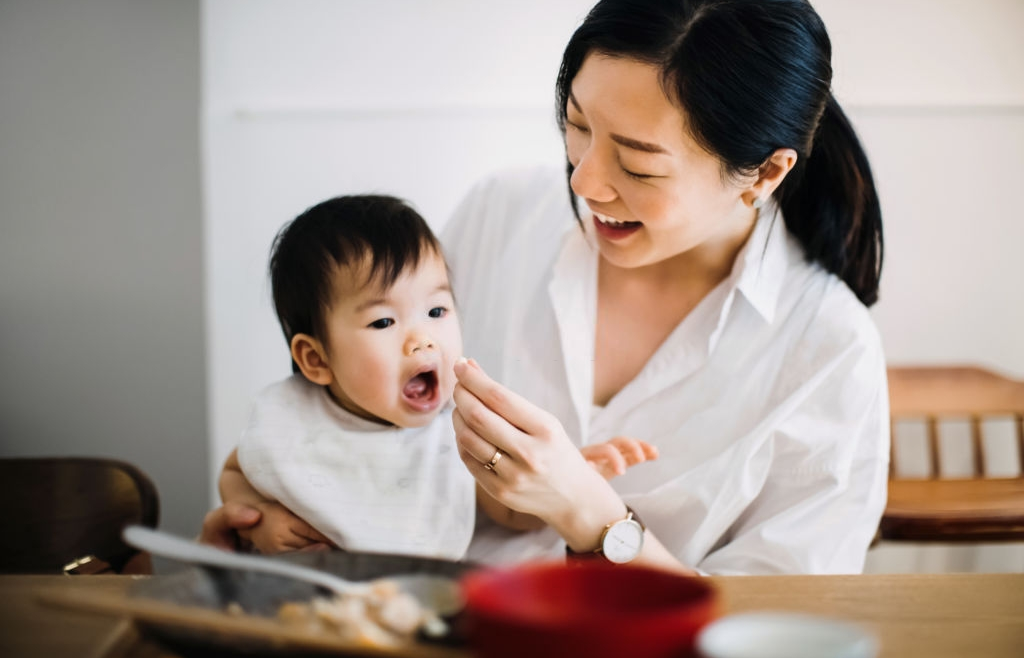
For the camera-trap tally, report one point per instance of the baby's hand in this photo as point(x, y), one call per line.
point(614, 456)
point(280, 531)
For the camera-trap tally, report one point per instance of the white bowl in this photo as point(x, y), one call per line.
point(784, 635)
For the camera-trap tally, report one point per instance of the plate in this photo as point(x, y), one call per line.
point(187, 611)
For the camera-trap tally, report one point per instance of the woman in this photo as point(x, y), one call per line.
point(711, 301)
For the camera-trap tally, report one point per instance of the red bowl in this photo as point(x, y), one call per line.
point(594, 610)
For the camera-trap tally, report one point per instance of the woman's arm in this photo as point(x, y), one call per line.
point(610, 459)
point(541, 472)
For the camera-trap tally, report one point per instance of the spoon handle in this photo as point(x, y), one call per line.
point(184, 550)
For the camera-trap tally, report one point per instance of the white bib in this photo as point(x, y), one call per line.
point(366, 486)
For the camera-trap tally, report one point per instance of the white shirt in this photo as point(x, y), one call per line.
point(768, 403)
point(366, 486)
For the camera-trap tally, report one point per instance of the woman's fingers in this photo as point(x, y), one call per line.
point(477, 453)
point(540, 471)
point(490, 431)
point(309, 533)
point(476, 448)
point(290, 525)
point(514, 409)
point(223, 525)
point(281, 530)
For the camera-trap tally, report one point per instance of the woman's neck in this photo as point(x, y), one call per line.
point(638, 308)
point(702, 267)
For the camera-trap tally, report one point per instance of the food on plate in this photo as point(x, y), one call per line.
point(379, 614)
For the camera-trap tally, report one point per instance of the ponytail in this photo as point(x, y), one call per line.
point(831, 206)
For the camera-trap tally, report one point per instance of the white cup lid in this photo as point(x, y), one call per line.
point(784, 635)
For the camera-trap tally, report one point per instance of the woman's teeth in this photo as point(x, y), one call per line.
point(610, 221)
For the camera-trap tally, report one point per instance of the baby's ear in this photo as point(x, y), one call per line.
point(309, 354)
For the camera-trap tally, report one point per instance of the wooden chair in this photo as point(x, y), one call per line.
point(65, 514)
point(975, 507)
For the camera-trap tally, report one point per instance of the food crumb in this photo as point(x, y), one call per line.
point(380, 614)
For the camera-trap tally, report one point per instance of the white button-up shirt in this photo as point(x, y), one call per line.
point(768, 403)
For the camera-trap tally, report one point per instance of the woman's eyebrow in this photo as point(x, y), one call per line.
point(575, 103)
point(636, 144)
point(628, 142)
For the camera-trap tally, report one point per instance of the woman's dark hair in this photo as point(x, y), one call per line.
point(308, 250)
point(753, 76)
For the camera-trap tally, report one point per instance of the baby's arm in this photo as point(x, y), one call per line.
point(278, 530)
point(506, 516)
point(610, 459)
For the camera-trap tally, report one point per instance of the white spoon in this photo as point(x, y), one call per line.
point(439, 594)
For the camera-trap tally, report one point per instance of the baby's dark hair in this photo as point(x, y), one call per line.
point(341, 232)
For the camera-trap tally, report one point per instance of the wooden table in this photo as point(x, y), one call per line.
point(926, 616)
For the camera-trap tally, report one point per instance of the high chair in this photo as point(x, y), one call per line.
point(938, 506)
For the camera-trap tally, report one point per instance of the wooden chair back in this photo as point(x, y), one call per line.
point(972, 507)
point(56, 510)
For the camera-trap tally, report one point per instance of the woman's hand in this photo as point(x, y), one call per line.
point(247, 519)
point(522, 457)
point(280, 531)
point(614, 456)
point(267, 526)
point(222, 525)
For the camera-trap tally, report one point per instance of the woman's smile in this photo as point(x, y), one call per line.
point(610, 228)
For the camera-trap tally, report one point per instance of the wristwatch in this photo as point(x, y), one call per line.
point(620, 541)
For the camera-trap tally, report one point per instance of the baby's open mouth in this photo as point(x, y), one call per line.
point(422, 388)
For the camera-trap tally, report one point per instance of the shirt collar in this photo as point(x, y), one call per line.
point(757, 273)
point(760, 268)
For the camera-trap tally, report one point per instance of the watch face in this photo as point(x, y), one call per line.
point(623, 541)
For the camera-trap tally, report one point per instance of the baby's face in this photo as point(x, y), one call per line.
point(392, 351)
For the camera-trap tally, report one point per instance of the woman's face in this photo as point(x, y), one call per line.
point(653, 193)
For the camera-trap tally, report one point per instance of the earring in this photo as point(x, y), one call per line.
point(757, 203)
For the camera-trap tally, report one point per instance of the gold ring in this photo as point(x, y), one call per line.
point(494, 460)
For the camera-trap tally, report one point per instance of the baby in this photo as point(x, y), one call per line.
point(359, 441)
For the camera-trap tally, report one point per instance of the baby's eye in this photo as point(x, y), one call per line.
point(438, 312)
point(383, 323)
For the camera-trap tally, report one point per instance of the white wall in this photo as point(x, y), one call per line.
point(309, 99)
point(936, 89)
point(101, 327)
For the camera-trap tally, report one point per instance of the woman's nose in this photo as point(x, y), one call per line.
point(417, 342)
point(590, 178)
